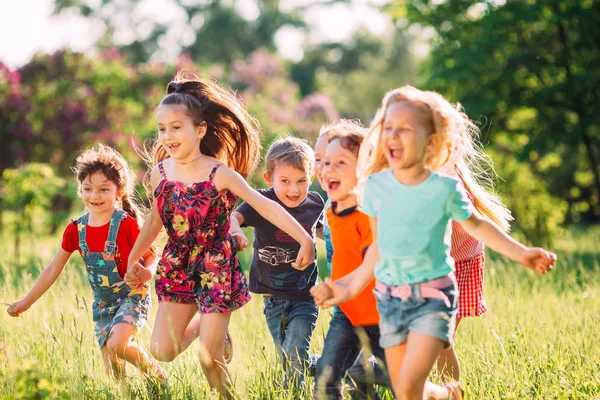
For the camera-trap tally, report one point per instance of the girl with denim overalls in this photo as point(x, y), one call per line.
point(411, 207)
point(207, 144)
point(104, 237)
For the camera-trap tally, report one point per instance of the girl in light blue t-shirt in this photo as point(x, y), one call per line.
point(411, 207)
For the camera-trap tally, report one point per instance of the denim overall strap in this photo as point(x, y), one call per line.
point(111, 241)
point(101, 267)
point(81, 225)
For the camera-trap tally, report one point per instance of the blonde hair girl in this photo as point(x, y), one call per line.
point(410, 208)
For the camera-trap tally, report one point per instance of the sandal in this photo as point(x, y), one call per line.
point(455, 391)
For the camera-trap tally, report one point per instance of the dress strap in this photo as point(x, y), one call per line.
point(162, 170)
point(212, 173)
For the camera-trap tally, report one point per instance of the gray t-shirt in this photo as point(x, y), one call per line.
point(271, 270)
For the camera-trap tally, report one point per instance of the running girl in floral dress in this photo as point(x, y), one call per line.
point(207, 144)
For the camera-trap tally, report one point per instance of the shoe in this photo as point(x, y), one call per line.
point(228, 352)
point(312, 364)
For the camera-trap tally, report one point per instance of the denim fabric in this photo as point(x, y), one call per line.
point(340, 352)
point(114, 302)
point(423, 315)
point(367, 372)
point(291, 324)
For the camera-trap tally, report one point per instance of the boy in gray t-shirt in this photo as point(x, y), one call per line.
point(289, 308)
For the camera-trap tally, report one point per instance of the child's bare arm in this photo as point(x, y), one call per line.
point(534, 258)
point(46, 279)
point(271, 211)
point(235, 230)
point(151, 228)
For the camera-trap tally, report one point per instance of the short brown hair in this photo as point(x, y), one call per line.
point(292, 151)
point(349, 132)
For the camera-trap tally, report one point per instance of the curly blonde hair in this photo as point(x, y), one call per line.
point(455, 150)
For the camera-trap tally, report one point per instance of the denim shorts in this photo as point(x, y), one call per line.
point(423, 315)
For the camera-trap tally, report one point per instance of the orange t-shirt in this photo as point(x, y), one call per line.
point(351, 237)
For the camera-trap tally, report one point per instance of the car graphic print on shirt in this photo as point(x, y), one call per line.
point(275, 255)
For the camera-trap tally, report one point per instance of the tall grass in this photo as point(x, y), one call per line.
point(540, 339)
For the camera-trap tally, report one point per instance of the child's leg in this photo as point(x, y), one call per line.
point(212, 344)
point(365, 373)
point(171, 325)
point(192, 332)
point(447, 364)
point(409, 366)
point(115, 366)
point(340, 350)
point(298, 327)
point(122, 345)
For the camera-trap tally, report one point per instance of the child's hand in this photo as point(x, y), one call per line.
point(340, 294)
point(321, 292)
point(143, 274)
point(306, 256)
point(17, 308)
point(538, 259)
point(136, 276)
point(241, 241)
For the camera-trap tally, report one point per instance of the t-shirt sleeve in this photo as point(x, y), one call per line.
point(251, 216)
point(70, 239)
point(459, 207)
point(130, 230)
point(364, 230)
point(368, 206)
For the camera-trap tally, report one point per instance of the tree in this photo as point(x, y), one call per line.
point(215, 31)
point(532, 68)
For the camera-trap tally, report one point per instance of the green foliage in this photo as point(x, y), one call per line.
point(531, 68)
point(30, 190)
point(539, 337)
point(32, 383)
point(537, 215)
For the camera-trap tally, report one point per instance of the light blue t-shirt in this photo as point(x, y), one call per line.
point(413, 225)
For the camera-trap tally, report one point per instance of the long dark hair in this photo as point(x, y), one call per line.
point(232, 134)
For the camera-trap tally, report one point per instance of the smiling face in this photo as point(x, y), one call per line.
point(177, 133)
point(339, 173)
point(320, 149)
point(290, 184)
point(99, 194)
point(405, 135)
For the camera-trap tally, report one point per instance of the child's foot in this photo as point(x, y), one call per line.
point(228, 352)
point(455, 391)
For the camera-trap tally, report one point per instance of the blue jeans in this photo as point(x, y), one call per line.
point(291, 324)
point(341, 355)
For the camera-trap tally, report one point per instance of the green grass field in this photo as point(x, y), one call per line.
point(540, 339)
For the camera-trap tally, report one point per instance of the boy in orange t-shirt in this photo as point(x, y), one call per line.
point(351, 236)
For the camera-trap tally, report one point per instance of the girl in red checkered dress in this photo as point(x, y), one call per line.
point(470, 164)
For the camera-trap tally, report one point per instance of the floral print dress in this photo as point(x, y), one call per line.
point(199, 265)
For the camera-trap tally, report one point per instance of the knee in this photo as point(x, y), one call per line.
point(117, 344)
point(211, 353)
point(162, 353)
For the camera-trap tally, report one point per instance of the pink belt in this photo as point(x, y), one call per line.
point(426, 290)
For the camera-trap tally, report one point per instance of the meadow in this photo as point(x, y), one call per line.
point(539, 340)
